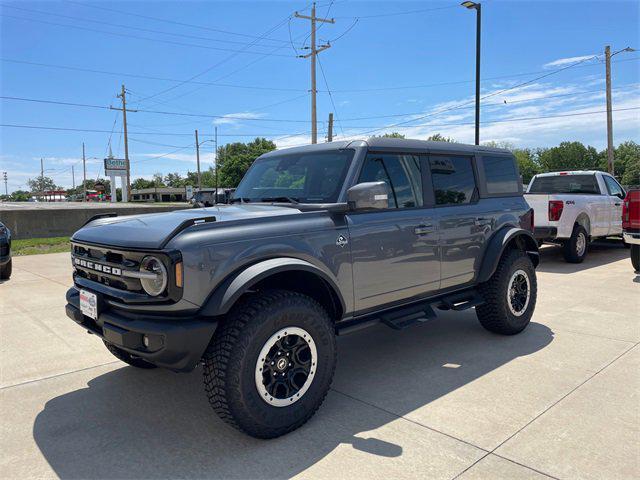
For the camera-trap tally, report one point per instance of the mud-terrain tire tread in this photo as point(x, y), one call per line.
point(635, 257)
point(5, 270)
point(127, 358)
point(569, 246)
point(493, 314)
point(221, 366)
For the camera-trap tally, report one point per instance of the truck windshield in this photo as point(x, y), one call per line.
point(302, 177)
point(579, 184)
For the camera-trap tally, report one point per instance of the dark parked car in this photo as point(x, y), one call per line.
point(316, 241)
point(5, 252)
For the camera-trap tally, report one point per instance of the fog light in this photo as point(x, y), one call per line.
point(145, 341)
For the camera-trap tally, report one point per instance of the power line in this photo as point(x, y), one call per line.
point(131, 27)
point(326, 84)
point(127, 35)
point(174, 22)
point(39, 127)
point(405, 12)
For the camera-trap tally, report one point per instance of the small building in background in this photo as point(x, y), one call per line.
point(159, 194)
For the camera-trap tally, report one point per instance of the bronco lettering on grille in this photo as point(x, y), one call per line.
point(98, 267)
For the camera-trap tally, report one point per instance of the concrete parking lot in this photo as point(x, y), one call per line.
point(442, 400)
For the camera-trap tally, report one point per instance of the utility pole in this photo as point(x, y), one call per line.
point(41, 168)
point(330, 128)
point(84, 175)
point(123, 97)
point(73, 177)
point(314, 51)
point(6, 190)
point(607, 57)
point(215, 143)
point(198, 161)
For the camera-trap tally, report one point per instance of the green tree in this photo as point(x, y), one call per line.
point(391, 135)
point(437, 137)
point(627, 162)
point(569, 156)
point(41, 183)
point(19, 196)
point(140, 183)
point(157, 180)
point(174, 180)
point(526, 163)
point(234, 159)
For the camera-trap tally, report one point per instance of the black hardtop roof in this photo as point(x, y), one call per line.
point(391, 144)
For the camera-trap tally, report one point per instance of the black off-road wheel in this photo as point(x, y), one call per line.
point(128, 358)
point(5, 270)
point(635, 257)
point(575, 248)
point(510, 295)
point(271, 362)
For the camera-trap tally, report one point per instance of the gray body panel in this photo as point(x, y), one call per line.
point(384, 261)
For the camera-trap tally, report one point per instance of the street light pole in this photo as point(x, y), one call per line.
point(478, 8)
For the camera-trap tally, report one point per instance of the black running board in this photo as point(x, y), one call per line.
point(399, 318)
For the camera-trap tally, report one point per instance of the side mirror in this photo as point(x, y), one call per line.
point(368, 196)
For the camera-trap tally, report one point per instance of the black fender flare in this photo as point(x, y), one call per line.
point(231, 289)
point(499, 243)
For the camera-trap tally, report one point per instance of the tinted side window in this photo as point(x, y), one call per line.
point(453, 179)
point(501, 174)
point(614, 187)
point(402, 175)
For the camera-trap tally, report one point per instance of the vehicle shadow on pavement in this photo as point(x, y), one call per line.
point(131, 423)
point(601, 252)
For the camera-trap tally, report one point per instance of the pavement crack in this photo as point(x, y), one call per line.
point(36, 380)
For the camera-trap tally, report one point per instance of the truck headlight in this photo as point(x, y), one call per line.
point(154, 284)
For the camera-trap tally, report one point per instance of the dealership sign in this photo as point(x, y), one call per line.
point(115, 164)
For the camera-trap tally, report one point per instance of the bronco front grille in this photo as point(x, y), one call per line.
point(105, 266)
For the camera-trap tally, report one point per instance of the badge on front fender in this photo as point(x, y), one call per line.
point(341, 241)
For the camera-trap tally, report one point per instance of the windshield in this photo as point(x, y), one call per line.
point(565, 184)
point(303, 177)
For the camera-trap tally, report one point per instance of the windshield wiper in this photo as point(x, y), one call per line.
point(280, 199)
point(240, 199)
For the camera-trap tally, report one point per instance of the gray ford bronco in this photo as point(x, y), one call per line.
point(317, 241)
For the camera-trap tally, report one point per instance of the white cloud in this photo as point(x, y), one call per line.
point(235, 118)
point(561, 62)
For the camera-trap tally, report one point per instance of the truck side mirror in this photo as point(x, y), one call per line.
point(368, 196)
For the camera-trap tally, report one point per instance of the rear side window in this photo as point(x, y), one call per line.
point(402, 175)
point(585, 184)
point(501, 174)
point(453, 180)
point(614, 187)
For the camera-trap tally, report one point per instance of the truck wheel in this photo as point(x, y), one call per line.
point(5, 270)
point(126, 357)
point(510, 295)
point(269, 366)
point(635, 257)
point(575, 249)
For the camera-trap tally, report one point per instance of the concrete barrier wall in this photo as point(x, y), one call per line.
point(42, 223)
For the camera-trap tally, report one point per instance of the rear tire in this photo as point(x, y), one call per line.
point(5, 270)
point(575, 248)
point(127, 358)
point(280, 333)
point(635, 257)
point(510, 295)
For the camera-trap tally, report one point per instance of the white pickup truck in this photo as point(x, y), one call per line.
point(572, 208)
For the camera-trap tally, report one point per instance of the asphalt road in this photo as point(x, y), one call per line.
point(442, 400)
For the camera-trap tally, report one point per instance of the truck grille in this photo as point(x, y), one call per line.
point(105, 265)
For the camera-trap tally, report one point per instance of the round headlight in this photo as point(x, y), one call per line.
point(153, 285)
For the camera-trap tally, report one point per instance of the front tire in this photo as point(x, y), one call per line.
point(575, 248)
point(271, 363)
point(510, 295)
point(5, 270)
point(635, 257)
point(127, 358)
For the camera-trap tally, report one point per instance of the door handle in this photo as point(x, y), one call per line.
point(423, 229)
point(618, 204)
point(481, 221)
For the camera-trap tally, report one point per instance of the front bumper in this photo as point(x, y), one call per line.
point(631, 238)
point(545, 233)
point(176, 343)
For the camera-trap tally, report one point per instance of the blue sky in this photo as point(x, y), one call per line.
point(408, 64)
